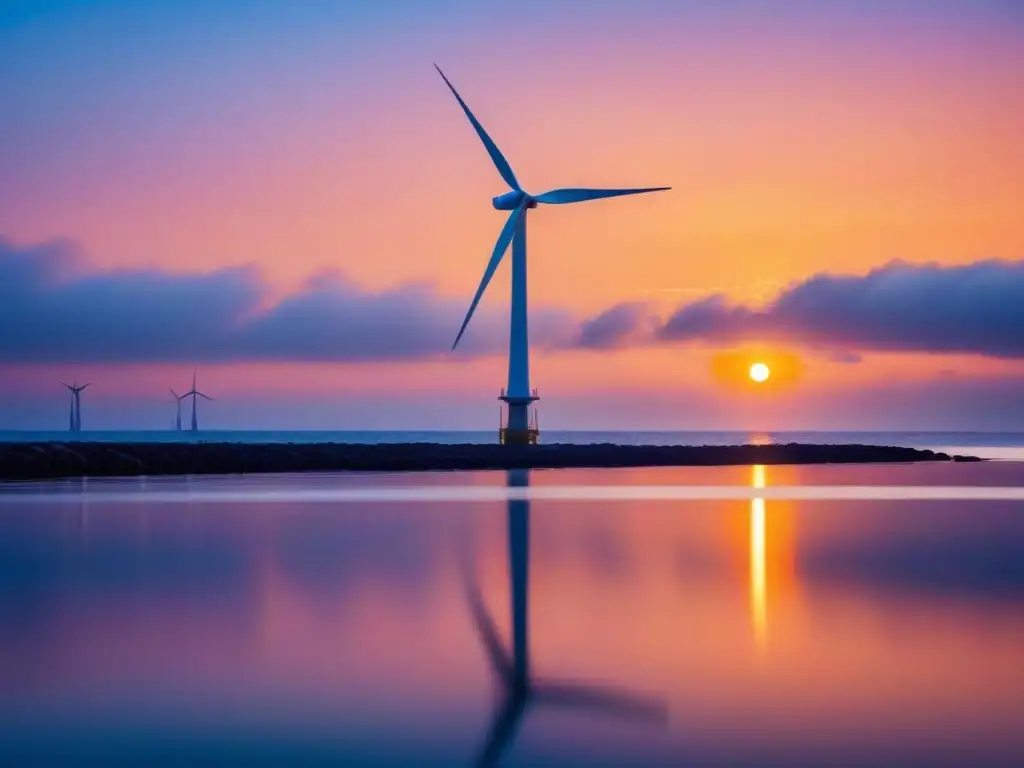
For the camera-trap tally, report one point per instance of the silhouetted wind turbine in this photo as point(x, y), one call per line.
point(518, 394)
point(195, 393)
point(512, 670)
point(71, 414)
point(76, 405)
point(177, 411)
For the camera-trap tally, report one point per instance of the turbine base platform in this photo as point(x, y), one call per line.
point(521, 424)
point(526, 436)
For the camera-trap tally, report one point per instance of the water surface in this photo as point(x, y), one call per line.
point(613, 632)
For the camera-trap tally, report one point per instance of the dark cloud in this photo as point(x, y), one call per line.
point(977, 308)
point(617, 326)
point(53, 310)
point(333, 319)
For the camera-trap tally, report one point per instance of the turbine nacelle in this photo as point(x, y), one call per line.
point(512, 200)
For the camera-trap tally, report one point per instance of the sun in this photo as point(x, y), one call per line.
point(759, 372)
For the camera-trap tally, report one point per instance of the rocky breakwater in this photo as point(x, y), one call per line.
point(52, 460)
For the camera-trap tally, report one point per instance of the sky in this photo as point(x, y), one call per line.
point(286, 198)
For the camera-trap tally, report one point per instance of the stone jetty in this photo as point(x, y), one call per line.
point(53, 460)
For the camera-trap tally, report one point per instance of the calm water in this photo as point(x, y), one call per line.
point(191, 629)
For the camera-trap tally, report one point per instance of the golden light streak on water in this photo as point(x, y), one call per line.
point(758, 564)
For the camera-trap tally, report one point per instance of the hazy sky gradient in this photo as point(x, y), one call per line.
point(290, 139)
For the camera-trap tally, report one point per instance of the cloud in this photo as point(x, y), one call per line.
point(845, 356)
point(333, 319)
point(976, 308)
point(52, 309)
point(617, 326)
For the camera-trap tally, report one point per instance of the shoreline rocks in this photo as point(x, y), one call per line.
point(54, 460)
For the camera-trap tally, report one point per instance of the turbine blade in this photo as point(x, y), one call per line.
point(507, 232)
point(207, 397)
point(576, 195)
point(603, 700)
point(492, 149)
point(173, 392)
point(85, 385)
point(484, 626)
point(503, 728)
point(66, 385)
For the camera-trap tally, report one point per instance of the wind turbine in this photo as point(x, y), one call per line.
point(195, 393)
point(71, 415)
point(518, 394)
point(177, 412)
point(519, 687)
point(76, 405)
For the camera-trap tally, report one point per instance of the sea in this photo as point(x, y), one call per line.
point(841, 615)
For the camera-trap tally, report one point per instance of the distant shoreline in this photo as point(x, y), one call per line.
point(55, 460)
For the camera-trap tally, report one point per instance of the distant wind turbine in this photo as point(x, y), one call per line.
point(71, 415)
point(518, 395)
point(177, 409)
point(512, 669)
point(76, 405)
point(193, 393)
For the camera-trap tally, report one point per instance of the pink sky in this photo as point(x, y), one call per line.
point(822, 143)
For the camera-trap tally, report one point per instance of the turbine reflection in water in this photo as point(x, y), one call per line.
point(512, 670)
point(758, 564)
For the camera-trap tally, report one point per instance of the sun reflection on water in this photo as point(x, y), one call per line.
point(758, 565)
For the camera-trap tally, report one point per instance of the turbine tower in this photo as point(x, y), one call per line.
point(518, 395)
point(177, 410)
point(511, 663)
point(194, 393)
point(75, 419)
point(71, 415)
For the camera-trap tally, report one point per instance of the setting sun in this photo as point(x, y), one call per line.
point(759, 372)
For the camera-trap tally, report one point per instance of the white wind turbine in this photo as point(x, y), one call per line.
point(193, 393)
point(518, 394)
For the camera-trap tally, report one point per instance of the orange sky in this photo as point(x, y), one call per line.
point(791, 148)
point(780, 167)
